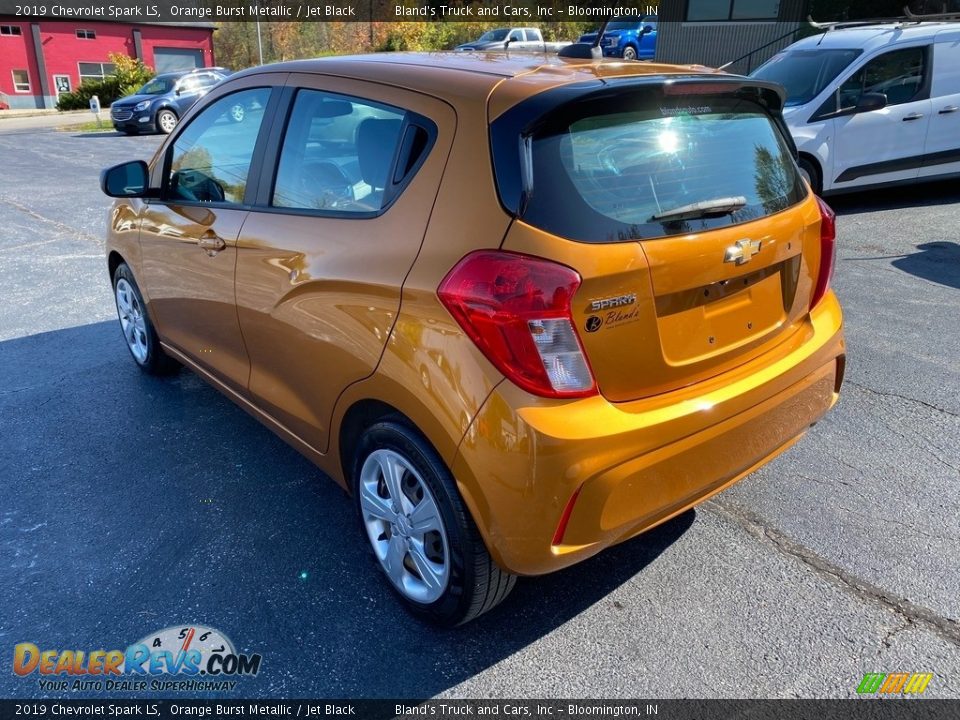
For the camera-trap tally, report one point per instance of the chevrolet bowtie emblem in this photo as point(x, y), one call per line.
point(742, 252)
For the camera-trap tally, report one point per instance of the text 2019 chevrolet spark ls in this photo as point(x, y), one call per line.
point(521, 308)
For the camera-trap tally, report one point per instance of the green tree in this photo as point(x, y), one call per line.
point(129, 75)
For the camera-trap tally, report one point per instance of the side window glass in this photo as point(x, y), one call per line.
point(337, 154)
point(187, 85)
point(210, 160)
point(516, 36)
point(898, 75)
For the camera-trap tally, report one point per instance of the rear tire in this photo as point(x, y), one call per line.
point(430, 552)
point(138, 331)
point(811, 173)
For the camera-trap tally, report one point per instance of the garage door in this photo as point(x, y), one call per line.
point(174, 59)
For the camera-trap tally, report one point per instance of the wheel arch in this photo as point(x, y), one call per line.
point(114, 259)
point(360, 416)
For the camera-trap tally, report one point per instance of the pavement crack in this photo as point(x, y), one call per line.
point(909, 528)
point(50, 221)
point(887, 394)
point(887, 641)
point(911, 612)
point(820, 481)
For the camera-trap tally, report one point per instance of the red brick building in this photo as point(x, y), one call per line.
point(40, 58)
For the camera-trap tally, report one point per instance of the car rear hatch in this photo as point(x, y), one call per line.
point(678, 202)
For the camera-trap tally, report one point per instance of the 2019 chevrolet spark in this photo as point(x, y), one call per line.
point(522, 309)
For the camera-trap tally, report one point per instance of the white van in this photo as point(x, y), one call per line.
point(873, 105)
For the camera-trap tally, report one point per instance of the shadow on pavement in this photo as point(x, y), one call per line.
point(892, 198)
point(98, 134)
point(132, 504)
point(935, 261)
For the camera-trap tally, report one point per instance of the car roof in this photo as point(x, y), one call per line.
point(452, 74)
point(177, 74)
point(868, 37)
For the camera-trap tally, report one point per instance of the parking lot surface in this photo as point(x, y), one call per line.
point(130, 503)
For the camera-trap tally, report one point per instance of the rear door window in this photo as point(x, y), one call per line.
point(339, 154)
point(607, 176)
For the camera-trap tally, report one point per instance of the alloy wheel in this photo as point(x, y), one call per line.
point(167, 121)
point(132, 321)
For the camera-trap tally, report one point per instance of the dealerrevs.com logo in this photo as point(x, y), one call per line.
point(187, 658)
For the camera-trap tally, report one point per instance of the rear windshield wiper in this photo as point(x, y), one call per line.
point(702, 209)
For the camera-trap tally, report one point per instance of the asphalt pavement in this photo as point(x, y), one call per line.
point(129, 504)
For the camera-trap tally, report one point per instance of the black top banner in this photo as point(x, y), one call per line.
point(518, 12)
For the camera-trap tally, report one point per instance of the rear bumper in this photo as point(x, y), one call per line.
point(635, 465)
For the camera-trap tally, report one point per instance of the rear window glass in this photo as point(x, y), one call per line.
point(617, 175)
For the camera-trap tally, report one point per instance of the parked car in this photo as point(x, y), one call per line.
point(873, 105)
point(522, 309)
point(162, 101)
point(629, 38)
point(527, 38)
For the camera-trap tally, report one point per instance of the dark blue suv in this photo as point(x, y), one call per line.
point(161, 103)
point(628, 38)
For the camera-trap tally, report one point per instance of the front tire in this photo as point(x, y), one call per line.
point(420, 531)
point(166, 121)
point(138, 331)
point(629, 53)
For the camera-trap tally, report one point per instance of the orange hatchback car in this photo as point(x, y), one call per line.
point(521, 308)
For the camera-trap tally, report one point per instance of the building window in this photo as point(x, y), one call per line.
point(706, 10)
point(21, 81)
point(87, 34)
point(11, 30)
point(96, 70)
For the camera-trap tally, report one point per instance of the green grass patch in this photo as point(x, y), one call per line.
point(89, 126)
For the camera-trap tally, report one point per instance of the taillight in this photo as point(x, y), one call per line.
point(516, 308)
point(828, 251)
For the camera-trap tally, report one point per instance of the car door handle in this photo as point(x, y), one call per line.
point(914, 116)
point(212, 244)
point(949, 109)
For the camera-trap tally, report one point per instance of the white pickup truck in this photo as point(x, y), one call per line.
point(528, 39)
